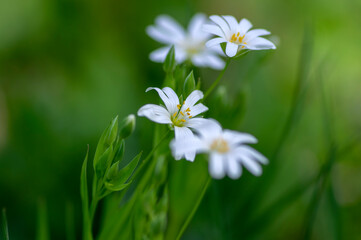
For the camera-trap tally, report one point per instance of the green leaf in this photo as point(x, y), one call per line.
point(106, 140)
point(127, 126)
point(87, 234)
point(189, 84)
point(4, 226)
point(116, 178)
point(169, 62)
point(119, 151)
point(104, 162)
point(241, 53)
point(43, 228)
point(223, 46)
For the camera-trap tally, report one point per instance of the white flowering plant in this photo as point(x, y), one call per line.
point(134, 198)
point(184, 131)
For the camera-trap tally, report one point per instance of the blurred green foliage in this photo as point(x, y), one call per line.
point(68, 67)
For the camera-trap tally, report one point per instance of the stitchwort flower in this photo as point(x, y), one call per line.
point(188, 45)
point(181, 116)
point(236, 35)
point(227, 150)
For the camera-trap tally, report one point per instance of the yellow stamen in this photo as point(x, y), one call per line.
point(237, 34)
point(184, 102)
point(190, 116)
point(181, 113)
point(188, 113)
point(175, 114)
point(178, 106)
point(188, 110)
point(183, 120)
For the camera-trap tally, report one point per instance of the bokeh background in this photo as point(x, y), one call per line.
point(67, 67)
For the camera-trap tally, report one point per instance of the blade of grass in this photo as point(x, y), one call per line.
point(42, 228)
point(299, 93)
point(4, 227)
point(87, 233)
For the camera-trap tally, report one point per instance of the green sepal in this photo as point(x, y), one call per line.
point(241, 53)
point(116, 178)
point(189, 84)
point(223, 46)
point(127, 126)
point(169, 62)
point(106, 140)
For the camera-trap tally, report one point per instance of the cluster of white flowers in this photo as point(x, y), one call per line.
point(194, 134)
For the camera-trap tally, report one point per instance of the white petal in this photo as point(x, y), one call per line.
point(234, 169)
point(208, 60)
point(155, 113)
point(251, 165)
point(170, 25)
point(232, 22)
point(173, 99)
point(192, 99)
point(168, 103)
point(184, 134)
point(159, 35)
point(254, 154)
point(185, 147)
point(221, 23)
point(180, 54)
point(238, 138)
point(260, 44)
point(215, 41)
point(196, 122)
point(209, 129)
point(159, 55)
point(216, 166)
point(198, 109)
point(231, 49)
point(244, 26)
point(255, 33)
point(215, 62)
point(213, 29)
point(195, 25)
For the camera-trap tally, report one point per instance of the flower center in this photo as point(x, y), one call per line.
point(179, 118)
point(237, 39)
point(220, 145)
point(192, 46)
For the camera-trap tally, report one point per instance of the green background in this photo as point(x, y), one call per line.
point(68, 67)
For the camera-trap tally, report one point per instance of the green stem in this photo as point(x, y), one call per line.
point(190, 216)
point(139, 189)
point(215, 83)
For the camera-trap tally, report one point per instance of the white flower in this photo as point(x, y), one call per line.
point(188, 45)
point(180, 116)
point(226, 148)
point(236, 35)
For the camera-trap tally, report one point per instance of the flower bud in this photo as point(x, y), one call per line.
point(127, 126)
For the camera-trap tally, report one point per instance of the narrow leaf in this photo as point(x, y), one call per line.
point(106, 140)
point(169, 62)
point(43, 228)
point(87, 235)
point(4, 227)
point(116, 179)
point(189, 84)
